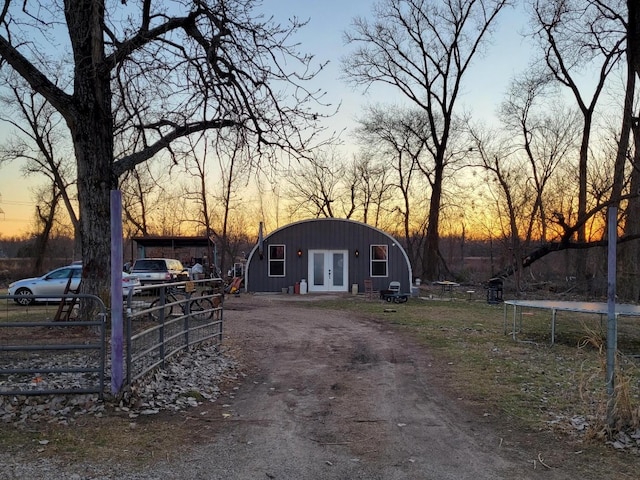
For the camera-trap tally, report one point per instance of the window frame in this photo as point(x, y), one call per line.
point(374, 261)
point(271, 260)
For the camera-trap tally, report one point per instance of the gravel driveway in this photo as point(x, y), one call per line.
point(332, 396)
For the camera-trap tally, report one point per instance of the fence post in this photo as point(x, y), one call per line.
point(163, 301)
point(187, 309)
point(116, 292)
point(129, 345)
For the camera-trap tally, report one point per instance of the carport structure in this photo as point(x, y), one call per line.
point(186, 249)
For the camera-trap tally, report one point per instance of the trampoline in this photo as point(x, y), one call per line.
point(600, 308)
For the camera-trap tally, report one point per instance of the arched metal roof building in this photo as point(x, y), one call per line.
point(330, 255)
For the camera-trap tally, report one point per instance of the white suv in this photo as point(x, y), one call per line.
point(159, 270)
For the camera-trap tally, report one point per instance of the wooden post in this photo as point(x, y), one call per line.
point(116, 293)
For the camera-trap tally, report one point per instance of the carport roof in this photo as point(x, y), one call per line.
point(173, 242)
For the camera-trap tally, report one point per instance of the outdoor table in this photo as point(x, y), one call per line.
point(447, 286)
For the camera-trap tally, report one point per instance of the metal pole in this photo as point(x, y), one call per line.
point(116, 292)
point(504, 319)
point(163, 301)
point(612, 327)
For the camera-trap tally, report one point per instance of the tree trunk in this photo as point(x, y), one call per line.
point(91, 126)
point(431, 257)
point(629, 286)
point(629, 254)
point(42, 240)
point(581, 260)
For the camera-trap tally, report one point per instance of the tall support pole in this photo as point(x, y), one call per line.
point(116, 293)
point(612, 326)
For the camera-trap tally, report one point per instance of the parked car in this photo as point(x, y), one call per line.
point(50, 286)
point(152, 271)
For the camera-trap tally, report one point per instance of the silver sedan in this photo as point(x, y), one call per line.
point(50, 287)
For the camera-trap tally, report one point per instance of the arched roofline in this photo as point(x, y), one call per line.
point(343, 220)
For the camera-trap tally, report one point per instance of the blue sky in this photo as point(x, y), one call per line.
point(488, 78)
point(323, 37)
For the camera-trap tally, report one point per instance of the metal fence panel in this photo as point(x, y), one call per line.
point(52, 357)
point(71, 357)
point(175, 317)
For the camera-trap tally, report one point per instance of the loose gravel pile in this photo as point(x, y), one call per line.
point(187, 380)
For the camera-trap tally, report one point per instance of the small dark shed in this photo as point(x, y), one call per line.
point(329, 255)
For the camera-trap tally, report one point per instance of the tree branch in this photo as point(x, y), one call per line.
point(130, 161)
point(36, 79)
point(143, 38)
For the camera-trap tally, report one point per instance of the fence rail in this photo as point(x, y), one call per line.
point(179, 321)
point(72, 357)
point(49, 357)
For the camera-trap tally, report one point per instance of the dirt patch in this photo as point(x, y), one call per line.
point(329, 394)
point(343, 396)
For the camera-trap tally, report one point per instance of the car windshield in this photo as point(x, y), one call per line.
point(149, 265)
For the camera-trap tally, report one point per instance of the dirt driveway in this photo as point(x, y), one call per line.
point(333, 396)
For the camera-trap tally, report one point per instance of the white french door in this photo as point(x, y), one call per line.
point(328, 271)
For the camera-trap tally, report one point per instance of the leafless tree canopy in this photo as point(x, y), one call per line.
point(423, 49)
point(142, 75)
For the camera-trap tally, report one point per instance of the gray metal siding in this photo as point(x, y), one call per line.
point(327, 234)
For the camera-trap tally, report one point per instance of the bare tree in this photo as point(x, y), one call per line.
point(234, 169)
point(316, 188)
point(534, 174)
point(512, 192)
point(423, 49)
point(574, 35)
point(157, 72)
point(546, 135)
point(369, 180)
point(45, 216)
point(629, 152)
point(400, 136)
point(40, 143)
point(194, 173)
point(142, 195)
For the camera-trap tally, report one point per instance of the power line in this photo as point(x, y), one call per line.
point(17, 203)
point(26, 204)
point(15, 219)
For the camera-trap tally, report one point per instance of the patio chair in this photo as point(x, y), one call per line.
point(394, 287)
point(393, 294)
point(368, 289)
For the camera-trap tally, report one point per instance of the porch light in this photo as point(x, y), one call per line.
point(356, 253)
point(299, 252)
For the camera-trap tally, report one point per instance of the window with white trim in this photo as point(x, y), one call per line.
point(276, 260)
point(379, 260)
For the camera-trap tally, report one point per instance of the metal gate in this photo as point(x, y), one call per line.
point(52, 357)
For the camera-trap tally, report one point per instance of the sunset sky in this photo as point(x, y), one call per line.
point(323, 37)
